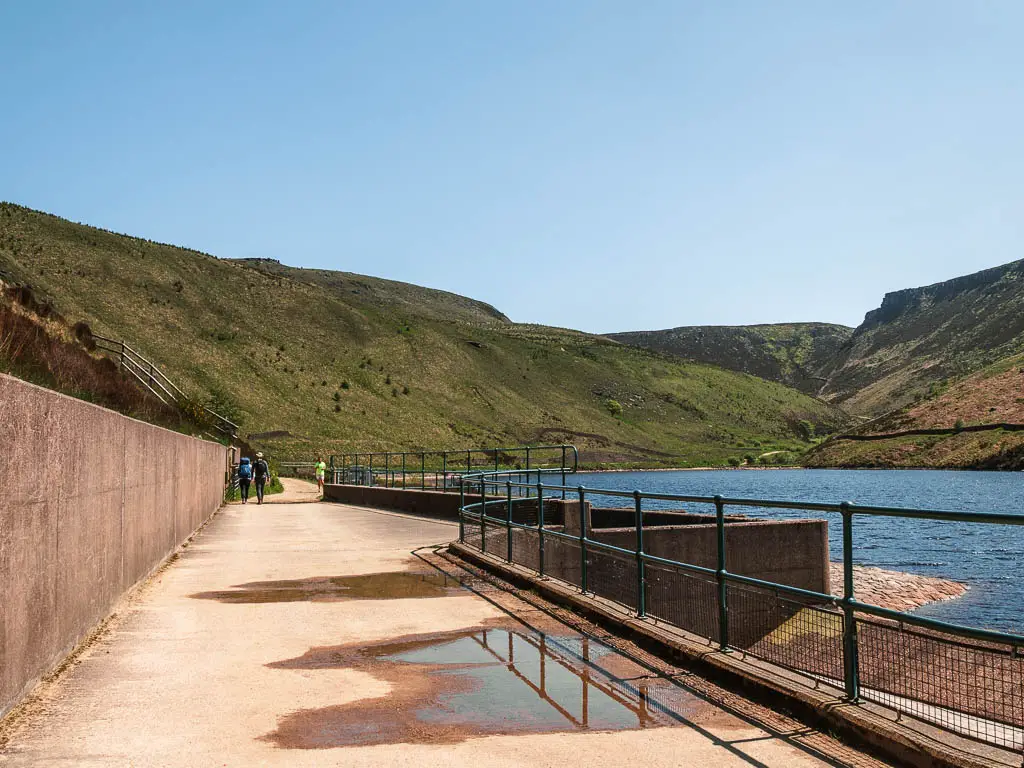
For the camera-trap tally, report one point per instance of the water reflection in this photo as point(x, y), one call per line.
point(448, 687)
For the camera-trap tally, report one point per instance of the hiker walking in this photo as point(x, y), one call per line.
point(320, 469)
point(244, 478)
point(261, 473)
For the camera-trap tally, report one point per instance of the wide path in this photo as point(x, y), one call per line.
point(255, 647)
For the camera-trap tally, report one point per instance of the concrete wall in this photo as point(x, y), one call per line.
point(791, 552)
point(428, 503)
point(90, 502)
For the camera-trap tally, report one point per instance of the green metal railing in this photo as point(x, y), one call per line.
point(969, 680)
point(441, 469)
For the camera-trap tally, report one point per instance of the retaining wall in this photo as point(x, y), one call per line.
point(90, 502)
point(791, 552)
point(429, 503)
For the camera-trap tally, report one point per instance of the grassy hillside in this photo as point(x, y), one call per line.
point(992, 396)
point(39, 346)
point(326, 361)
point(920, 337)
point(794, 354)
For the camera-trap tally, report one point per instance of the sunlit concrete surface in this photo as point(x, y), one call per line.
point(244, 652)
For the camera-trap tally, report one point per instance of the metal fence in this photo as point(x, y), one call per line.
point(968, 680)
point(149, 375)
point(441, 470)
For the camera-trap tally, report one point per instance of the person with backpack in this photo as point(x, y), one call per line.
point(244, 478)
point(261, 473)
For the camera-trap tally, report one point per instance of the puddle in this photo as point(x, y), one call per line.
point(450, 687)
point(392, 585)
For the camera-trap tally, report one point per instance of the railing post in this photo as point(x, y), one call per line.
point(540, 527)
point(723, 585)
point(462, 511)
point(508, 517)
point(444, 471)
point(369, 475)
point(387, 469)
point(469, 462)
point(527, 460)
point(563, 471)
point(583, 541)
point(483, 515)
point(405, 483)
point(120, 360)
point(851, 661)
point(641, 581)
point(423, 471)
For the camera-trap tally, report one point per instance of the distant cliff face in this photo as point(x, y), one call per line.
point(924, 335)
point(917, 338)
point(795, 354)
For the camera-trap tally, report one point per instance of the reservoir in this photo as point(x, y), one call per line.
point(988, 558)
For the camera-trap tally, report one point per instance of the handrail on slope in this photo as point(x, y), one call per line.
point(149, 375)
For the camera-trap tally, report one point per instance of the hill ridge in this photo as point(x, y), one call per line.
point(336, 359)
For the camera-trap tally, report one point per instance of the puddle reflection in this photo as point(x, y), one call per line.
point(446, 688)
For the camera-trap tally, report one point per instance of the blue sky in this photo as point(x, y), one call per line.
point(598, 165)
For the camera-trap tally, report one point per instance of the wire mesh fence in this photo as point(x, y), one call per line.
point(790, 632)
point(973, 688)
point(612, 575)
point(684, 599)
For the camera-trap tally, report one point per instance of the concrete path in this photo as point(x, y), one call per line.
point(271, 641)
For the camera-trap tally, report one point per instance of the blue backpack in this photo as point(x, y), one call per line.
point(245, 471)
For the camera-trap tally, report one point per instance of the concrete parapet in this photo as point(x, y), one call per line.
point(791, 552)
point(90, 502)
point(428, 503)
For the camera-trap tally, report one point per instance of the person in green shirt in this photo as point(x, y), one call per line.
point(321, 469)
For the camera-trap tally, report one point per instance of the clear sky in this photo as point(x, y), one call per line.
point(598, 165)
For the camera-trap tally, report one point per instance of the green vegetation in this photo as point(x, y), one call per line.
point(274, 345)
point(989, 397)
point(39, 346)
point(790, 353)
point(920, 339)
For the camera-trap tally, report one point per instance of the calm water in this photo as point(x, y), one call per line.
point(989, 558)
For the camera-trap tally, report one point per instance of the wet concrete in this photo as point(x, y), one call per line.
point(391, 585)
point(451, 686)
point(178, 681)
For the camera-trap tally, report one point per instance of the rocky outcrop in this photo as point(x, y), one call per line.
point(921, 336)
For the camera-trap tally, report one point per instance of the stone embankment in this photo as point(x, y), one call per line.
point(893, 589)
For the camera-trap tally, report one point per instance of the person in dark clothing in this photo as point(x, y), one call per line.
point(261, 473)
point(244, 479)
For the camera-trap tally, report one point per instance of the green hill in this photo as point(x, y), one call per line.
point(921, 337)
point(795, 354)
point(312, 360)
point(965, 424)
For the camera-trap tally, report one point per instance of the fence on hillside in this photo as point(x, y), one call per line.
point(968, 680)
point(149, 375)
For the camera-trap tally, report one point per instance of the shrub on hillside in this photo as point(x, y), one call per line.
point(28, 350)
